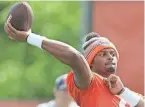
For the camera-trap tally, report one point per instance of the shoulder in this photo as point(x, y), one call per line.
point(75, 92)
point(97, 79)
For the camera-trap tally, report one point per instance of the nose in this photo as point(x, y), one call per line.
point(110, 57)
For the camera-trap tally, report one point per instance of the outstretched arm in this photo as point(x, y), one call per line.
point(71, 57)
point(63, 52)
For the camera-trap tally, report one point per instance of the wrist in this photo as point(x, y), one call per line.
point(35, 40)
point(28, 33)
point(26, 37)
point(130, 97)
point(121, 91)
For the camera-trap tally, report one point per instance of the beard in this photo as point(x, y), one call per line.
point(111, 69)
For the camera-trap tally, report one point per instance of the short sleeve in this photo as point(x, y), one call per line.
point(72, 89)
point(76, 93)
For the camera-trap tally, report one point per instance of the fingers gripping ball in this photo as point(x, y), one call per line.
point(20, 16)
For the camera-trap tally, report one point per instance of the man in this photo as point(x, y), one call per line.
point(87, 88)
point(96, 52)
point(62, 98)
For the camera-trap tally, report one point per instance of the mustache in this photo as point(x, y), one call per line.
point(110, 62)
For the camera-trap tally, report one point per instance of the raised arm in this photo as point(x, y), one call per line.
point(71, 57)
point(63, 52)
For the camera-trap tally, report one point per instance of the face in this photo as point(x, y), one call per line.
point(105, 62)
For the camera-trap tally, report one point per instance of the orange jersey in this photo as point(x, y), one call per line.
point(97, 95)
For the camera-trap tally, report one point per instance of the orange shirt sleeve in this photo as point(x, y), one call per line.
point(75, 92)
point(72, 89)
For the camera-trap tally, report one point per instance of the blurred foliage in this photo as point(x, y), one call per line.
point(27, 72)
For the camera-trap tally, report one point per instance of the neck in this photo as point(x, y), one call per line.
point(103, 73)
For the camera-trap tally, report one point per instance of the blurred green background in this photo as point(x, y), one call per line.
point(27, 72)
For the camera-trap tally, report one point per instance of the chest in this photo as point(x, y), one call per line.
point(101, 97)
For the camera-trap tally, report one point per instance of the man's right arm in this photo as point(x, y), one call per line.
point(71, 57)
point(62, 51)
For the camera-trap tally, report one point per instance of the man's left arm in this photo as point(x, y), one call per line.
point(141, 102)
point(133, 98)
point(116, 87)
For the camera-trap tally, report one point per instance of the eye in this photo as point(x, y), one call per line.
point(102, 54)
point(113, 54)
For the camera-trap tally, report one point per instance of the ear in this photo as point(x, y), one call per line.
point(91, 65)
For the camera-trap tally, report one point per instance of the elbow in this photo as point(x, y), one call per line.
point(75, 58)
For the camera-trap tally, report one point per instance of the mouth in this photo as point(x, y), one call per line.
point(110, 63)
